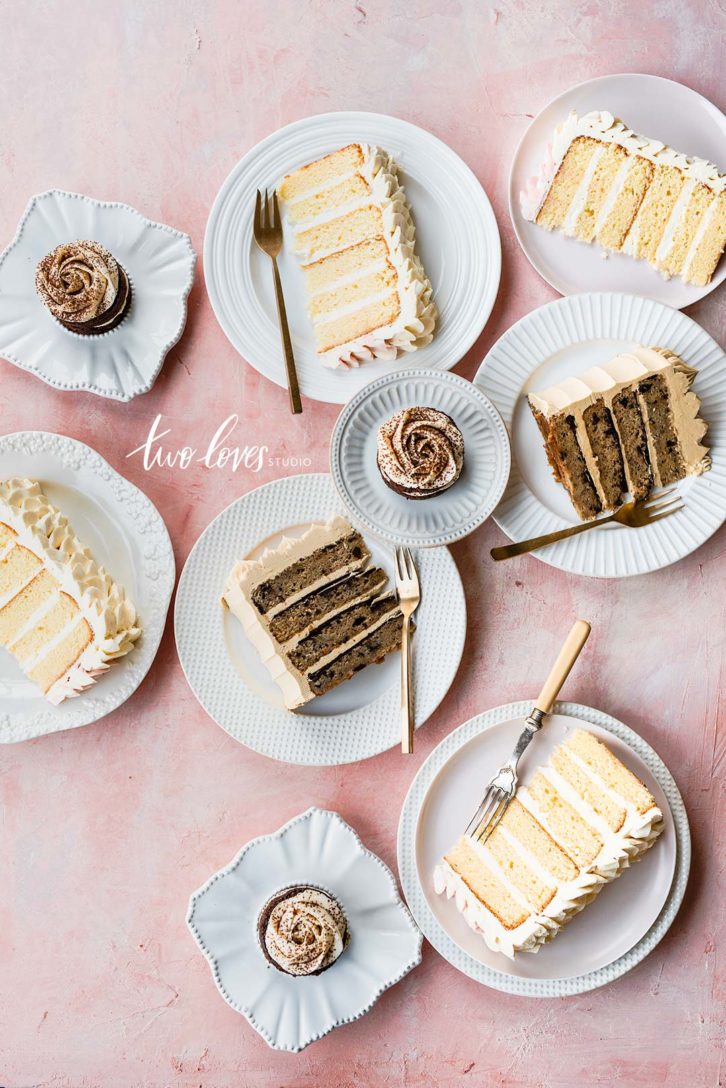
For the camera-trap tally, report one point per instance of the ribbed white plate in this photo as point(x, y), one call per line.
point(126, 534)
point(319, 848)
point(654, 107)
point(120, 363)
point(443, 518)
point(456, 237)
point(562, 339)
point(357, 719)
point(611, 935)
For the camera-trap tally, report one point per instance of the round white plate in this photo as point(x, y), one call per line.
point(357, 719)
point(318, 848)
point(615, 932)
point(456, 238)
point(118, 364)
point(565, 338)
point(442, 518)
point(654, 107)
point(126, 534)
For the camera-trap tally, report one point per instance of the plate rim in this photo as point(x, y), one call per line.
point(468, 388)
point(512, 196)
point(164, 576)
point(434, 932)
point(222, 194)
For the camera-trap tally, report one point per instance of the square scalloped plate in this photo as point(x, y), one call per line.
point(125, 361)
point(318, 848)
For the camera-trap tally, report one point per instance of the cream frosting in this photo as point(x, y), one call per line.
point(420, 451)
point(45, 531)
point(414, 326)
point(306, 932)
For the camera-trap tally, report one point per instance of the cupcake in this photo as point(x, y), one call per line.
point(420, 452)
point(84, 287)
point(302, 930)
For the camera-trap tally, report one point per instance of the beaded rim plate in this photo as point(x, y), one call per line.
point(126, 534)
point(457, 240)
point(565, 338)
point(442, 518)
point(359, 718)
point(125, 361)
point(506, 979)
point(319, 848)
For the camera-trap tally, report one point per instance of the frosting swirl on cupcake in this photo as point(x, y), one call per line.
point(303, 930)
point(83, 286)
point(420, 452)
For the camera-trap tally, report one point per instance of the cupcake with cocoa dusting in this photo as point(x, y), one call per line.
point(302, 930)
point(420, 452)
point(84, 287)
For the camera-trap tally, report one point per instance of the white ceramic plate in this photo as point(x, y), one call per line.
point(118, 364)
point(651, 106)
point(357, 719)
point(317, 848)
point(565, 338)
point(442, 518)
point(456, 237)
point(613, 933)
point(126, 534)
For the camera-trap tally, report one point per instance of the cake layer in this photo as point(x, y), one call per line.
point(310, 610)
point(370, 650)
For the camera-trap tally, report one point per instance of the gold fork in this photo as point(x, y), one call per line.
point(409, 598)
point(267, 230)
point(633, 514)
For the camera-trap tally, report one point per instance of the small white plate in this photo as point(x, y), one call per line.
point(440, 519)
point(611, 935)
point(651, 106)
point(126, 534)
point(120, 363)
point(356, 720)
point(319, 848)
point(456, 238)
point(565, 338)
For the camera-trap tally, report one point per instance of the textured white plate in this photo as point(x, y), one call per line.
point(611, 935)
point(442, 518)
point(125, 361)
point(359, 718)
point(126, 534)
point(317, 847)
point(456, 237)
point(565, 338)
point(653, 107)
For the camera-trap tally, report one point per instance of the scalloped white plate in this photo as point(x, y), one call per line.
point(609, 937)
point(440, 519)
point(457, 239)
point(126, 534)
point(124, 362)
point(320, 848)
point(659, 108)
point(564, 338)
point(359, 718)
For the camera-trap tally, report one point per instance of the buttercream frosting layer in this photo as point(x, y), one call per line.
point(420, 452)
point(305, 931)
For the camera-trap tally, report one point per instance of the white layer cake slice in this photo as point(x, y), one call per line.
point(576, 825)
point(62, 616)
point(603, 183)
point(368, 294)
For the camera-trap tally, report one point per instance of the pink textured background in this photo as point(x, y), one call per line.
point(104, 831)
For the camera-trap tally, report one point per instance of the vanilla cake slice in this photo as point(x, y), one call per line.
point(576, 825)
point(369, 297)
point(603, 183)
point(62, 616)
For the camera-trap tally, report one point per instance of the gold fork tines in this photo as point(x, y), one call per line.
point(409, 598)
point(267, 229)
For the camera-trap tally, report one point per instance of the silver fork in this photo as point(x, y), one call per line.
point(267, 229)
point(503, 785)
point(409, 598)
point(633, 514)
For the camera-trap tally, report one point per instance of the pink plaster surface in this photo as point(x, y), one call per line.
point(106, 830)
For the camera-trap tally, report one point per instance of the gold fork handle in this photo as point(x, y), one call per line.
point(406, 696)
point(508, 551)
point(292, 383)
